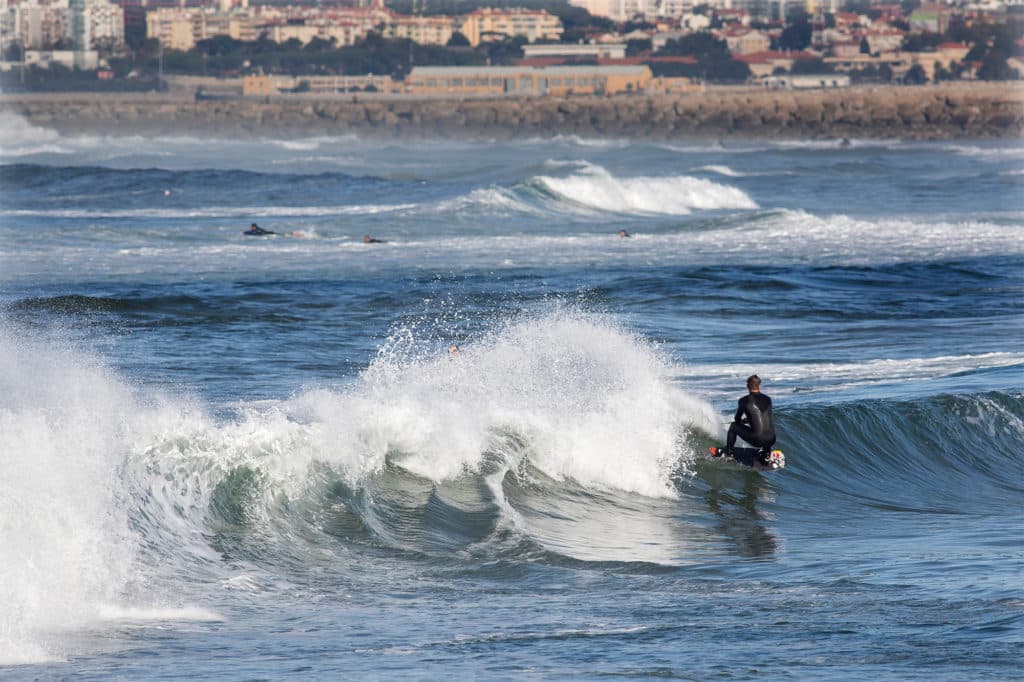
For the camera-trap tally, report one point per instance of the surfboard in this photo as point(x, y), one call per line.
point(748, 458)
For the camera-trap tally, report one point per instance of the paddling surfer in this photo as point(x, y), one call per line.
point(257, 231)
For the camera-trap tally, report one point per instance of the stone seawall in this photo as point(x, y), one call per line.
point(955, 110)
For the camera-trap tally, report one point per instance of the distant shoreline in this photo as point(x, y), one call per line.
point(943, 111)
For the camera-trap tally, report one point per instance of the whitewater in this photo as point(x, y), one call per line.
point(474, 448)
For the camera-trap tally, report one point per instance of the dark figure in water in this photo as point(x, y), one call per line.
point(256, 230)
point(753, 421)
point(367, 239)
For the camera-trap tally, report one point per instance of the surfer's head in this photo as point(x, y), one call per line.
point(753, 383)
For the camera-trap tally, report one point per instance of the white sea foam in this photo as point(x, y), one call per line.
point(595, 189)
point(73, 435)
point(20, 138)
point(66, 546)
point(592, 401)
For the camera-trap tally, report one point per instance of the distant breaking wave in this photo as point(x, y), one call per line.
point(594, 188)
point(591, 189)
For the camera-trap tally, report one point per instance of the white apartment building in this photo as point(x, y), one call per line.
point(435, 30)
point(99, 24)
point(81, 24)
point(625, 10)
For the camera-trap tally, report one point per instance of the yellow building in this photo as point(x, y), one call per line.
point(494, 24)
point(258, 86)
point(181, 29)
point(527, 81)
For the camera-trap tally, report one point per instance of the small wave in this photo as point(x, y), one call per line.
point(491, 200)
point(299, 145)
point(832, 377)
point(214, 211)
point(147, 614)
point(841, 239)
point(939, 454)
point(1003, 152)
point(722, 170)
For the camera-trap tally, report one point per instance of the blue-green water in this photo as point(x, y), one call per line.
point(228, 457)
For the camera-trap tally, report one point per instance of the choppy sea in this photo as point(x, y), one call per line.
point(232, 457)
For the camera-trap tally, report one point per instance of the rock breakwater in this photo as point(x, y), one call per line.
point(954, 110)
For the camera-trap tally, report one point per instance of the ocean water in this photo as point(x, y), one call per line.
point(229, 457)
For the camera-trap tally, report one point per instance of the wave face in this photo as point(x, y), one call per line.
point(224, 456)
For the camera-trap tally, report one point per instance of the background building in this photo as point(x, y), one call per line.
point(488, 24)
point(64, 25)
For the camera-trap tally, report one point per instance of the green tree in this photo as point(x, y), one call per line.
point(700, 45)
point(637, 46)
point(811, 66)
point(135, 32)
point(318, 44)
point(13, 52)
point(922, 42)
point(915, 75)
point(994, 67)
point(797, 34)
point(577, 22)
point(504, 52)
point(458, 40)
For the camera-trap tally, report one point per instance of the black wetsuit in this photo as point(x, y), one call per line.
point(257, 232)
point(753, 422)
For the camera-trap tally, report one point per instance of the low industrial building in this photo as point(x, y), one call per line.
point(807, 81)
point(527, 80)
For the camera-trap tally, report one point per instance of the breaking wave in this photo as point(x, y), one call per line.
point(553, 437)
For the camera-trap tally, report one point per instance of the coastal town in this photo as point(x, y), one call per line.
point(234, 48)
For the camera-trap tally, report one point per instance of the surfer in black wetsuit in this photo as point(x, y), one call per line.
point(257, 231)
point(753, 421)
